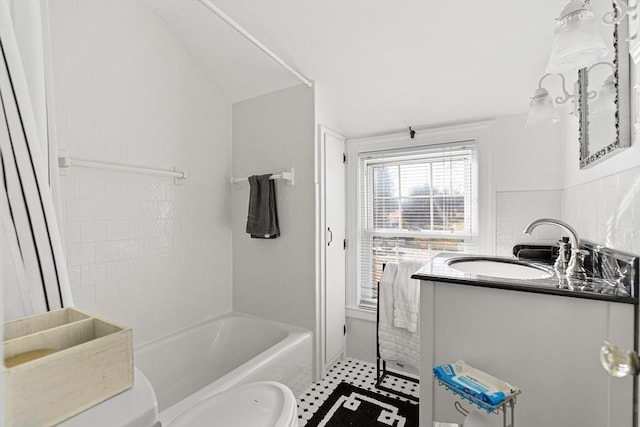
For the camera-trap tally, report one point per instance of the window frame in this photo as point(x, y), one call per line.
point(483, 192)
point(433, 153)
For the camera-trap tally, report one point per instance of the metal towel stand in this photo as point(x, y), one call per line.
point(381, 364)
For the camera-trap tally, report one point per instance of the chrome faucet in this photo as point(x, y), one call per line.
point(575, 268)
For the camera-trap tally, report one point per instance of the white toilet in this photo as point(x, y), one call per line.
point(136, 407)
point(258, 404)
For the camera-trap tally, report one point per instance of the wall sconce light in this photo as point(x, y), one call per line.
point(605, 98)
point(618, 362)
point(577, 42)
point(541, 108)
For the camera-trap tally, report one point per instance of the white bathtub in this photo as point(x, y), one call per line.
point(212, 356)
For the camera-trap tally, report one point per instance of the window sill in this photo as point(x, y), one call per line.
point(361, 314)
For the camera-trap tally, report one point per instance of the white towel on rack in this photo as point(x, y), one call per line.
point(406, 297)
point(394, 343)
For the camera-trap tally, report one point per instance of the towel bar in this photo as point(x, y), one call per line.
point(286, 175)
point(66, 162)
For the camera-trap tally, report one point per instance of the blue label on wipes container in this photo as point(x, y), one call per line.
point(464, 381)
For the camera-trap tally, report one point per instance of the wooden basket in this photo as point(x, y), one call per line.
point(93, 361)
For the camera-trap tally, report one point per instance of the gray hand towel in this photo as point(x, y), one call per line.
point(262, 220)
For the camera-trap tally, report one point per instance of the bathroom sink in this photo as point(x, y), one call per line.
point(499, 267)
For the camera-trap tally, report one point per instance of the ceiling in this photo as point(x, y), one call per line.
point(381, 65)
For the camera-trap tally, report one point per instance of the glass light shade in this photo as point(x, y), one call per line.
point(577, 42)
point(541, 109)
point(617, 362)
point(605, 102)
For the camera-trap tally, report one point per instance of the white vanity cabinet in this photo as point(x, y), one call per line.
point(547, 345)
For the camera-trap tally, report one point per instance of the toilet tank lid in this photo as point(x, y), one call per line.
point(136, 407)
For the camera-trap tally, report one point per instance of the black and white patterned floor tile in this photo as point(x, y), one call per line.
point(352, 371)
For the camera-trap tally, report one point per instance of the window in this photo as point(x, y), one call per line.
point(413, 203)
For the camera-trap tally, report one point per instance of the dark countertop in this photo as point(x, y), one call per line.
point(438, 270)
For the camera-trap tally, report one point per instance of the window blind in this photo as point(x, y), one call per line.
point(413, 204)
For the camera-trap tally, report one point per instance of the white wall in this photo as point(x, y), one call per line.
point(537, 174)
point(527, 172)
point(603, 202)
point(607, 210)
point(516, 209)
point(361, 338)
point(276, 278)
point(325, 114)
point(573, 176)
point(526, 159)
point(141, 250)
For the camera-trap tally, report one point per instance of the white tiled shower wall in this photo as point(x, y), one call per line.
point(140, 249)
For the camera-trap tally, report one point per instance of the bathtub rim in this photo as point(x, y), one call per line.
point(231, 313)
point(294, 336)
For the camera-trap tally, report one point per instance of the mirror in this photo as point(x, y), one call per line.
point(603, 95)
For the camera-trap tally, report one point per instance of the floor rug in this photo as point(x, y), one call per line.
point(351, 406)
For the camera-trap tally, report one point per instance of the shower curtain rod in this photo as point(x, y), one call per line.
point(65, 162)
point(233, 24)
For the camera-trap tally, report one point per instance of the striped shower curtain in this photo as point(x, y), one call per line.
point(27, 213)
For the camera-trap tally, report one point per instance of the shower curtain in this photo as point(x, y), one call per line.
point(28, 218)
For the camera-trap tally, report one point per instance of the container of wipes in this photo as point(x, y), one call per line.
point(470, 381)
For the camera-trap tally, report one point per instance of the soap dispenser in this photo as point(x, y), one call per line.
point(563, 256)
